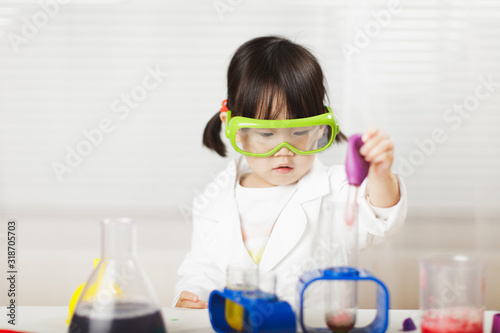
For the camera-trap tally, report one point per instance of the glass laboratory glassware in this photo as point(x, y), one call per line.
point(245, 279)
point(338, 244)
point(342, 253)
point(267, 285)
point(452, 293)
point(118, 297)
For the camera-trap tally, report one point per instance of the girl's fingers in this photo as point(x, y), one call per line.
point(187, 295)
point(384, 158)
point(372, 142)
point(189, 300)
point(369, 133)
point(193, 305)
point(383, 146)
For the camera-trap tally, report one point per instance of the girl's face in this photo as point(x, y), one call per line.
point(283, 168)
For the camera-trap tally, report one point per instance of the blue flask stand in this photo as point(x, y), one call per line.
point(263, 312)
point(381, 321)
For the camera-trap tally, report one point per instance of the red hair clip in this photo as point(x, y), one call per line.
point(224, 106)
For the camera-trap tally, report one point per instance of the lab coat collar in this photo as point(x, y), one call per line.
point(288, 228)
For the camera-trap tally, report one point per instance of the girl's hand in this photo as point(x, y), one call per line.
point(378, 150)
point(189, 300)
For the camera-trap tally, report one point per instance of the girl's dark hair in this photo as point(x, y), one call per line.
point(268, 76)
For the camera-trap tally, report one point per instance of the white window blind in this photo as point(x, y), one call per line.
point(71, 74)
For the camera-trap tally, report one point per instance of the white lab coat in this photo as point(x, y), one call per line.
point(217, 240)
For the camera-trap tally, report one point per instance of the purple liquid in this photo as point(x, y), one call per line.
point(120, 321)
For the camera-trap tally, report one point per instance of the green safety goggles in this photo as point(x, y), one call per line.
point(263, 138)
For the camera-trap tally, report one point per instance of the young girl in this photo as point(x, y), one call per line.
point(266, 213)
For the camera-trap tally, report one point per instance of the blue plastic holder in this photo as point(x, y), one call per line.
point(263, 312)
point(381, 321)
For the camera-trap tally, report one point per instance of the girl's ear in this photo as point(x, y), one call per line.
point(223, 117)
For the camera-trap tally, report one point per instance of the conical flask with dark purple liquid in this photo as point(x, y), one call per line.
point(118, 297)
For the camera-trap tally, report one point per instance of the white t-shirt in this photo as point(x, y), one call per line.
point(259, 209)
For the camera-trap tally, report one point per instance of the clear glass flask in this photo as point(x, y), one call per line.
point(342, 244)
point(118, 297)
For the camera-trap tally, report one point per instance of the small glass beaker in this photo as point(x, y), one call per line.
point(452, 291)
point(267, 285)
point(246, 280)
point(118, 297)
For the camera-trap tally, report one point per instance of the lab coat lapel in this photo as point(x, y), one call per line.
point(286, 233)
point(292, 221)
point(228, 247)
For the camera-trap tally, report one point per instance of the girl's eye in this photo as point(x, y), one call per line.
point(300, 133)
point(265, 134)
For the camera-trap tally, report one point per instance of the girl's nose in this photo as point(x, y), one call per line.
point(284, 152)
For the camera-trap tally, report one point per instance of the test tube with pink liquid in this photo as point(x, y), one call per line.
point(341, 296)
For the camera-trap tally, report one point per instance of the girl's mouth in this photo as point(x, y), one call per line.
point(283, 169)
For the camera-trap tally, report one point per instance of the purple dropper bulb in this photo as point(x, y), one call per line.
point(356, 169)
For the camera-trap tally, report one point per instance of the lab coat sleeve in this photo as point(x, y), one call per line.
point(198, 273)
point(379, 224)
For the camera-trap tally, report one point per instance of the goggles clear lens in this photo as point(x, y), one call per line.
point(263, 140)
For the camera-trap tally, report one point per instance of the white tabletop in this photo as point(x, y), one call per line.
point(52, 319)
